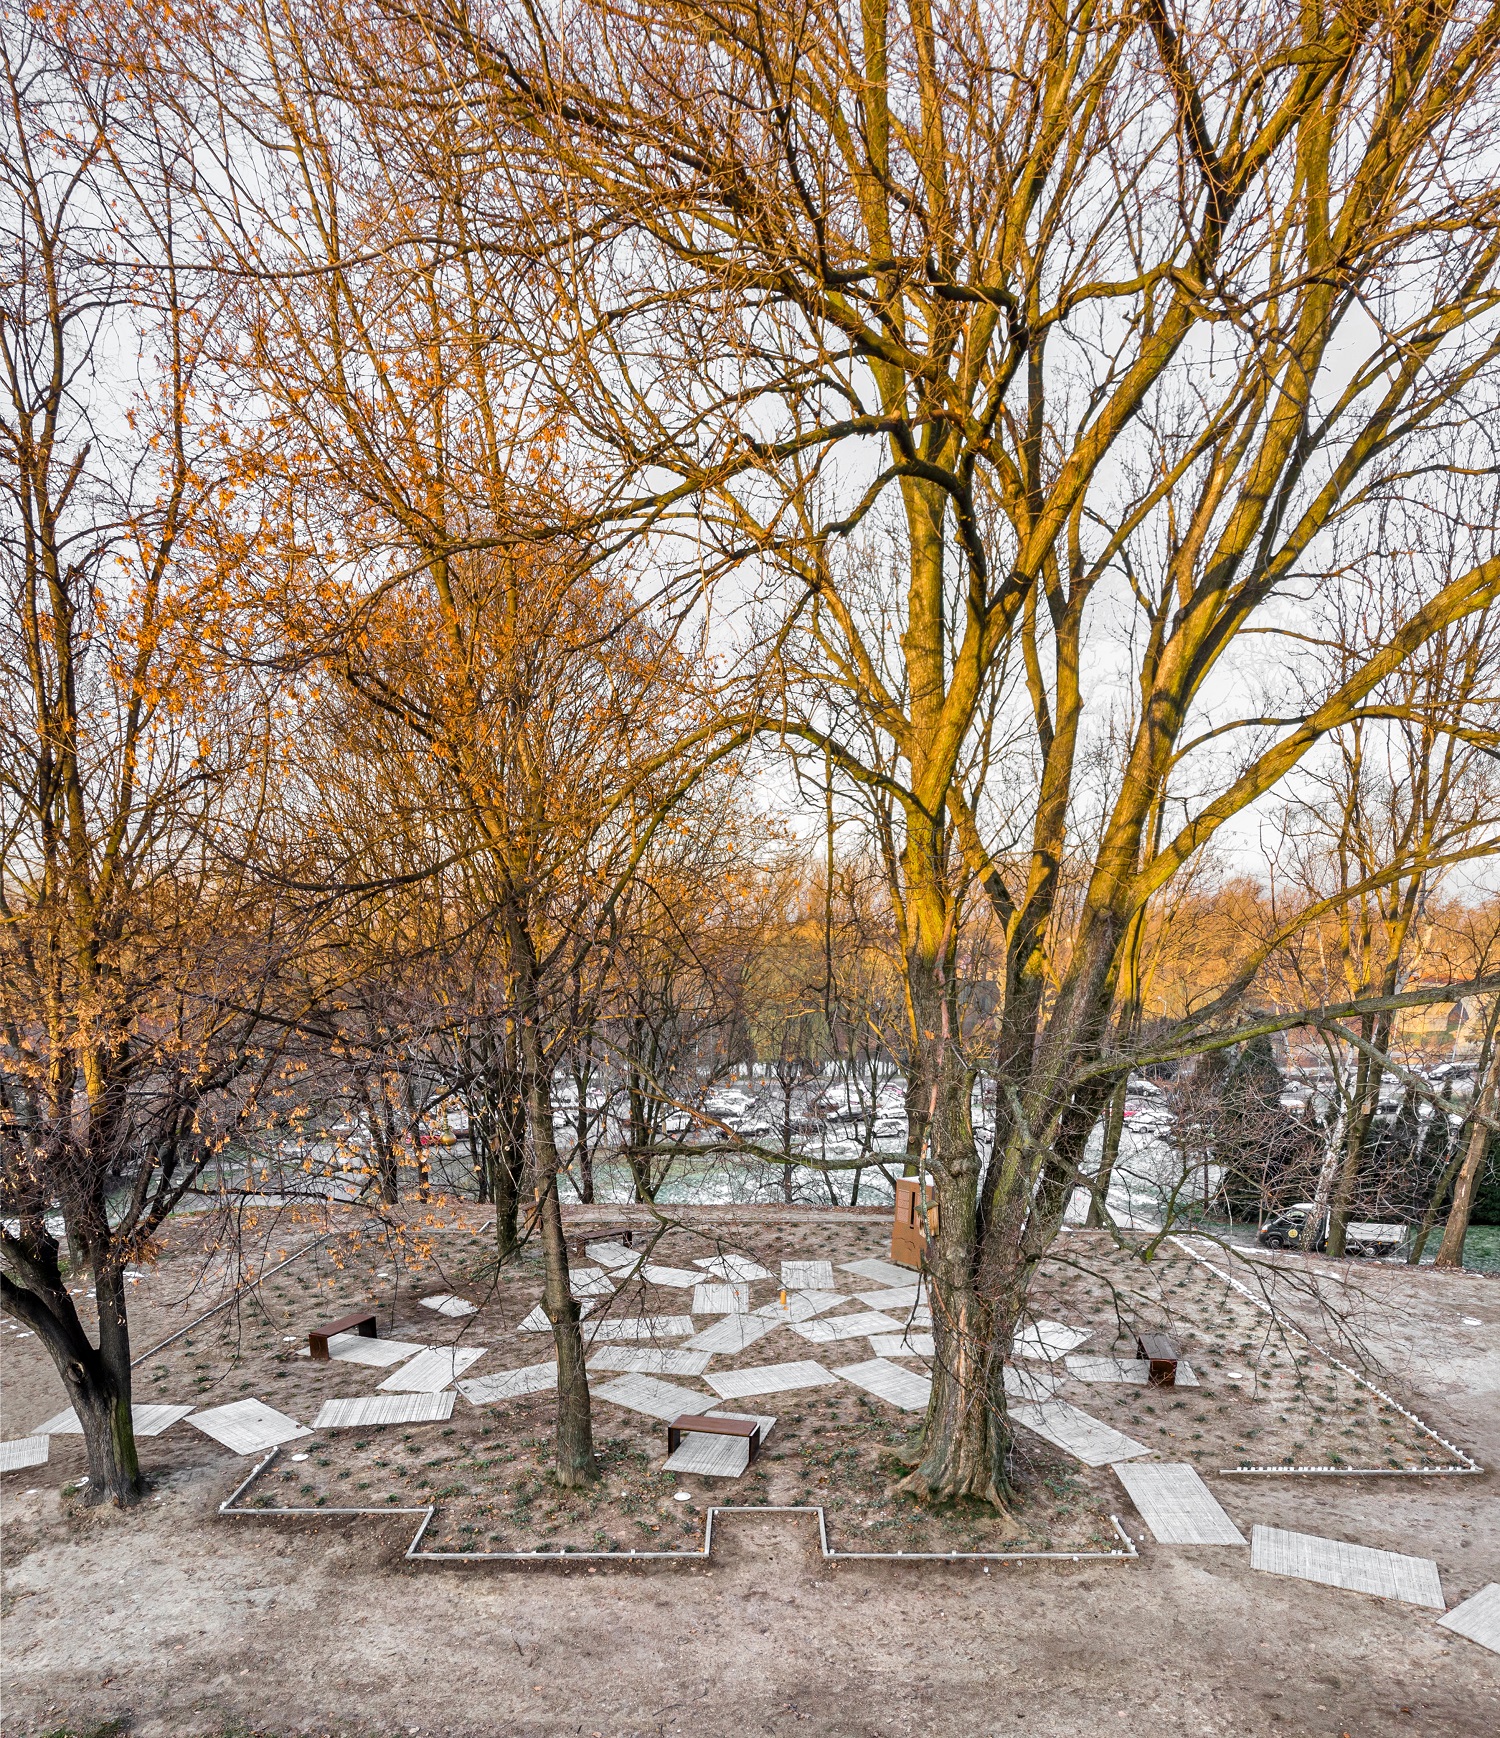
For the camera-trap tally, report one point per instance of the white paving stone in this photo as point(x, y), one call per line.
point(378, 1354)
point(912, 1345)
point(591, 1282)
point(721, 1300)
point(882, 1272)
point(536, 1321)
point(800, 1306)
point(888, 1381)
point(1028, 1384)
point(769, 1379)
point(248, 1426)
point(650, 1360)
point(738, 1269)
point(1136, 1370)
point(1478, 1617)
point(436, 1368)
point(146, 1421)
point(1176, 1505)
point(679, 1278)
point(22, 1451)
point(1335, 1563)
point(613, 1255)
point(372, 1409)
point(1049, 1340)
point(824, 1330)
point(897, 1302)
point(656, 1399)
point(1093, 1441)
point(509, 1384)
point(446, 1305)
point(808, 1275)
point(638, 1328)
point(731, 1334)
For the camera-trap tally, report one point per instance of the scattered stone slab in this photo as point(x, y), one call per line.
point(800, 1306)
point(645, 1394)
point(808, 1276)
point(248, 1426)
point(590, 1282)
point(22, 1451)
point(536, 1321)
point(650, 1360)
point(436, 1368)
point(446, 1305)
point(509, 1384)
point(888, 1381)
point(824, 1330)
point(373, 1409)
point(1478, 1617)
point(898, 1302)
point(639, 1328)
point(679, 1278)
point(769, 1379)
point(1336, 1563)
point(1176, 1505)
point(1033, 1385)
point(1090, 1439)
point(613, 1255)
point(721, 1300)
point(1049, 1340)
point(147, 1421)
point(909, 1345)
point(731, 1334)
point(737, 1269)
point(882, 1272)
point(1135, 1370)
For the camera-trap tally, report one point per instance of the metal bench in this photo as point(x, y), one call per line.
point(708, 1424)
point(1161, 1355)
point(318, 1338)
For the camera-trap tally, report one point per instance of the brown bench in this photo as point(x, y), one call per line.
point(710, 1424)
point(318, 1338)
point(1161, 1355)
point(578, 1241)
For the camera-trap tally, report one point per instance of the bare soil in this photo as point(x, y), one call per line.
point(173, 1619)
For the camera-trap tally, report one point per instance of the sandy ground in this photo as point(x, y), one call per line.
point(172, 1620)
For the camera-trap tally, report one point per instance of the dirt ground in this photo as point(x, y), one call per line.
point(174, 1620)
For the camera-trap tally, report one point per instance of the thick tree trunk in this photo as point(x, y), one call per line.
point(965, 1437)
point(97, 1379)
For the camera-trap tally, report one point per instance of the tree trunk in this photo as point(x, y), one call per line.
point(965, 1436)
point(1114, 1127)
point(1451, 1249)
point(575, 1463)
point(97, 1380)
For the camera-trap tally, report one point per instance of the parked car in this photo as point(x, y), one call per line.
point(1292, 1229)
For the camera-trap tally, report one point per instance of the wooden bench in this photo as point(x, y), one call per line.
point(709, 1424)
point(1161, 1355)
point(578, 1241)
point(318, 1338)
